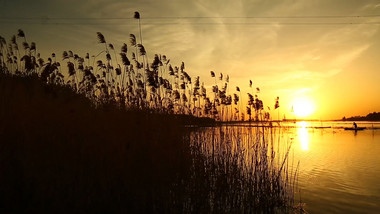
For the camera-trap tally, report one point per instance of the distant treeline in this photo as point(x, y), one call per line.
point(375, 116)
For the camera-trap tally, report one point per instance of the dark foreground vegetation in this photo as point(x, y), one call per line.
point(60, 154)
point(109, 140)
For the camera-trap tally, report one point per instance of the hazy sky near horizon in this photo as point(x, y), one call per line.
point(326, 51)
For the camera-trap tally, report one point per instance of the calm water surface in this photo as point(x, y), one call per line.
point(339, 169)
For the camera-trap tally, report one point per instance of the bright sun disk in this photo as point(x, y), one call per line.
point(303, 107)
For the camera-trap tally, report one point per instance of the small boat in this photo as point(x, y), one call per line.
point(355, 129)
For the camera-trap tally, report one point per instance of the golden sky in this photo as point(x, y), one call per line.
point(326, 52)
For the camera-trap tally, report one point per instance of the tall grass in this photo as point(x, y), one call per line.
point(111, 138)
point(237, 170)
point(129, 80)
point(60, 154)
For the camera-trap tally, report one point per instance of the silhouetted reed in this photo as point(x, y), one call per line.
point(238, 170)
point(60, 153)
point(97, 135)
point(134, 83)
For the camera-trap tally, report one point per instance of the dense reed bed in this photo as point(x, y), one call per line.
point(130, 80)
point(240, 170)
point(112, 139)
point(60, 154)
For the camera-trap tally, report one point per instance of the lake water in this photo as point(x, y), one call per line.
point(339, 169)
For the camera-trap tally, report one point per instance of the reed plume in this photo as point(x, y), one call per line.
point(101, 38)
point(124, 48)
point(65, 55)
point(25, 45)
point(21, 33)
point(132, 40)
point(277, 103)
point(125, 59)
point(141, 50)
point(71, 68)
point(136, 15)
point(13, 39)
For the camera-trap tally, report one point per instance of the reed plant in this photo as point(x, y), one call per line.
point(61, 154)
point(106, 133)
point(129, 80)
point(239, 170)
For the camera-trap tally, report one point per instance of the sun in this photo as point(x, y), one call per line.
point(303, 107)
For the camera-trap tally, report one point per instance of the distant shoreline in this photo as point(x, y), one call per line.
point(300, 120)
point(375, 116)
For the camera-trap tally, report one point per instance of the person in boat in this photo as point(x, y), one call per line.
point(355, 126)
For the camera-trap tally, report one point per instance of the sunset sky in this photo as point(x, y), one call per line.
point(323, 53)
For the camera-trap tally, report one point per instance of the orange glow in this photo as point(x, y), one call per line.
point(303, 107)
point(303, 136)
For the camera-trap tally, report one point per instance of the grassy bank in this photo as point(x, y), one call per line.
point(114, 138)
point(59, 154)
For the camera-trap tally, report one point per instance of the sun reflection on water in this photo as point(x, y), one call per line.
point(303, 136)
